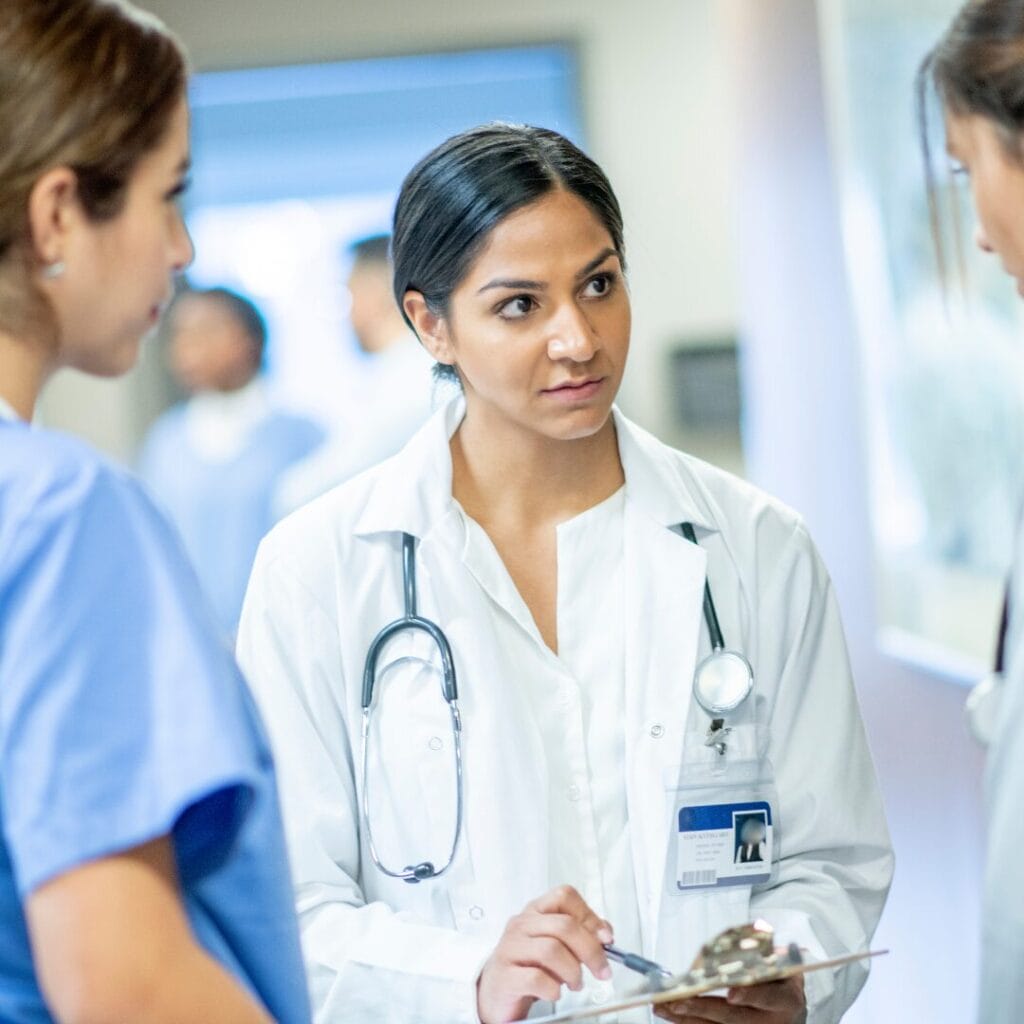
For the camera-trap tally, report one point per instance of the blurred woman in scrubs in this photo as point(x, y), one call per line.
point(213, 462)
point(142, 869)
point(978, 70)
point(564, 552)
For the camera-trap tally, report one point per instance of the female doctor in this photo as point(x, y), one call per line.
point(977, 68)
point(543, 533)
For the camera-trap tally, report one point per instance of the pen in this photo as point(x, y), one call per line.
point(635, 962)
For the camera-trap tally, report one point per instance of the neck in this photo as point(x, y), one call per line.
point(24, 369)
point(501, 472)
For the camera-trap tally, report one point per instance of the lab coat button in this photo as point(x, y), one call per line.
point(574, 792)
point(436, 743)
point(476, 913)
point(657, 730)
point(601, 994)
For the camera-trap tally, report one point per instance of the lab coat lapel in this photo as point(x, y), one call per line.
point(664, 590)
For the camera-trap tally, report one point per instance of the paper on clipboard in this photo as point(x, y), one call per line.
point(699, 981)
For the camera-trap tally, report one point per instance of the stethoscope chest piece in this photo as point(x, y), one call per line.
point(724, 679)
point(722, 682)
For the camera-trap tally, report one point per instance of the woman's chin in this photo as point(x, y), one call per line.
point(110, 361)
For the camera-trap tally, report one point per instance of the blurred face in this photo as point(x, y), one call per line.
point(210, 350)
point(539, 328)
point(371, 301)
point(119, 272)
point(997, 185)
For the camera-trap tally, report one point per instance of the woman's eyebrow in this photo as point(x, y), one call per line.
point(596, 262)
point(523, 284)
point(505, 282)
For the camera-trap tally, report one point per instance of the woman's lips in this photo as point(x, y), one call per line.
point(575, 392)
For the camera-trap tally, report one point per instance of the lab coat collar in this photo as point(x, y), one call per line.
point(414, 490)
point(657, 482)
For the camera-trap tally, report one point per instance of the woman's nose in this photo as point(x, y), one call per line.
point(981, 239)
point(573, 339)
point(182, 249)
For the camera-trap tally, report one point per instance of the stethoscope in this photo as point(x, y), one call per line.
point(724, 679)
point(721, 683)
point(412, 873)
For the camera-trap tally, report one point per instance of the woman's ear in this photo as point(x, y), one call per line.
point(431, 328)
point(53, 211)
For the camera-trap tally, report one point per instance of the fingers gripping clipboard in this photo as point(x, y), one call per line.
point(737, 958)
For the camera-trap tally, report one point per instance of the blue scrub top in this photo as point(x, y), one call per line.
point(223, 509)
point(124, 718)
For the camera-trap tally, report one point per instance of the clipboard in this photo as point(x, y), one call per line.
point(722, 964)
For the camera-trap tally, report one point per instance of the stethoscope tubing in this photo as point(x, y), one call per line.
point(719, 656)
point(449, 689)
point(411, 620)
point(710, 613)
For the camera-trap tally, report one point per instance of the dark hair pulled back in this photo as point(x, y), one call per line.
point(453, 198)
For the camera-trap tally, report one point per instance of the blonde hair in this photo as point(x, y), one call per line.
point(86, 84)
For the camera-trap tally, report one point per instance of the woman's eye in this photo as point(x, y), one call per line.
point(959, 170)
point(178, 191)
point(517, 308)
point(599, 286)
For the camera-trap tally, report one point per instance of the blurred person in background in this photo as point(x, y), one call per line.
point(143, 874)
point(978, 71)
point(214, 461)
point(395, 384)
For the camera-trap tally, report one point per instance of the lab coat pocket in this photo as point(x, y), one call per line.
point(411, 772)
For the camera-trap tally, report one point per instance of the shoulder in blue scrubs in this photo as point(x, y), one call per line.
point(122, 719)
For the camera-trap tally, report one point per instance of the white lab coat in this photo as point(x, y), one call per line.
point(1001, 990)
point(329, 577)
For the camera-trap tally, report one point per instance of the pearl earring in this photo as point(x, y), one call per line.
point(54, 270)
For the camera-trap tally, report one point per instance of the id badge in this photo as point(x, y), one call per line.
point(723, 844)
point(723, 826)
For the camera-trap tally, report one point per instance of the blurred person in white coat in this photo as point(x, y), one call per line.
point(978, 70)
point(394, 387)
point(563, 551)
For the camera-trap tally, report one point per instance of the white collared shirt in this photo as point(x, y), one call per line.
point(577, 699)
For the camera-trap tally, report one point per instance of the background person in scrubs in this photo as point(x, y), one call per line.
point(978, 69)
point(143, 875)
point(213, 462)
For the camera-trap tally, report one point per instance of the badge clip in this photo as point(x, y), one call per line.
point(716, 736)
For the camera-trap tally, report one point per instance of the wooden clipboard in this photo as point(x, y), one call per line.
point(680, 988)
